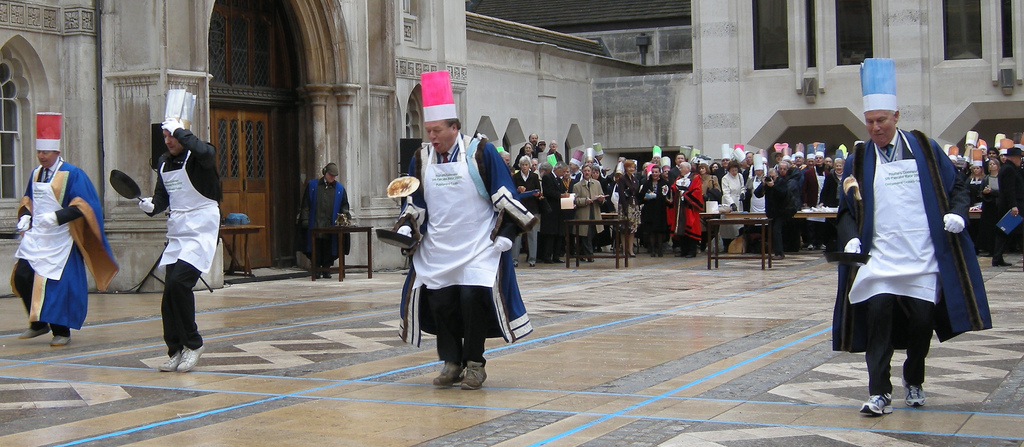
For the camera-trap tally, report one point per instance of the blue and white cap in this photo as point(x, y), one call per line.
point(878, 84)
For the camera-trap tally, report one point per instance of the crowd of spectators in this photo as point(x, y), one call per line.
point(661, 199)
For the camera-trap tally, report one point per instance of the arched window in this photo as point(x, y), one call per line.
point(242, 42)
point(10, 144)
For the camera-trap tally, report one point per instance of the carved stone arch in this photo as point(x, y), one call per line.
point(413, 119)
point(29, 71)
point(32, 94)
point(321, 28)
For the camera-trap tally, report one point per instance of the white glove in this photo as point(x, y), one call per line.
point(853, 246)
point(502, 244)
point(405, 230)
point(146, 205)
point(47, 220)
point(171, 124)
point(24, 223)
point(954, 223)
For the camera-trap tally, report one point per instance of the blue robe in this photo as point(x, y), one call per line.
point(339, 198)
point(509, 319)
point(963, 304)
point(65, 302)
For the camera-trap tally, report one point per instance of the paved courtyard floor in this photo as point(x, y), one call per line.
point(662, 353)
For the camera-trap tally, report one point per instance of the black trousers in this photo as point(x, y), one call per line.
point(323, 251)
point(778, 223)
point(913, 318)
point(178, 308)
point(999, 242)
point(462, 315)
point(24, 277)
point(546, 247)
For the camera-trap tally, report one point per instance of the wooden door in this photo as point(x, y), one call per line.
point(243, 140)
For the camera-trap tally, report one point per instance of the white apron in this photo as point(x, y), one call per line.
point(821, 185)
point(457, 247)
point(902, 254)
point(757, 203)
point(46, 250)
point(193, 225)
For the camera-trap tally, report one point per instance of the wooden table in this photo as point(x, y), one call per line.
point(339, 231)
point(766, 239)
point(238, 262)
point(618, 228)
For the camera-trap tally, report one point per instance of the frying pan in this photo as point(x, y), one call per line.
point(851, 259)
point(124, 185)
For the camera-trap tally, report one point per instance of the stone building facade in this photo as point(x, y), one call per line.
point(286, 86)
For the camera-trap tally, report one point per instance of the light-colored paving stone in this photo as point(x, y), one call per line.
point(665, 352)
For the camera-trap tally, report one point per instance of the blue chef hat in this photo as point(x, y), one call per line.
point(878, 84)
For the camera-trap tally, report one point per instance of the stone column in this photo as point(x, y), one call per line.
point(318, 95)
point(716, 72)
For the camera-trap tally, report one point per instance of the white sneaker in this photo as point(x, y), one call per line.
point(915, 396)
point(877, 405)
point(189, 358)
point(172, 363)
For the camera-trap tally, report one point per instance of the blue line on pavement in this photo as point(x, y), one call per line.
point(676, 390)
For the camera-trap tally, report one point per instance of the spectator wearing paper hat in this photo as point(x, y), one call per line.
point(813, 182)
point(461, 284)
point(920, 258)
point(780, 150)
point(575, 163)
point(60, 218)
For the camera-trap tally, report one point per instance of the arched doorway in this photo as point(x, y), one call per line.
point(253, 121)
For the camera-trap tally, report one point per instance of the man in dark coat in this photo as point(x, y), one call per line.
point(778, 205)
point(1011, 199)
point(552, 225)
point(322, 201)
point(904, 205)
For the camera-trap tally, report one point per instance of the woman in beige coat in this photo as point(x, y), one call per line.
point(589, 197)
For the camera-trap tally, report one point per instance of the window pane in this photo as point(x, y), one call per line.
point(771, 35)
point(222, 145)
point(261, 54)
point(5, 73)
point(239, 51)
point(10, 90)
point(261, 138)
point(7, 149)
point(249, 143)
point(962, 24)
point(853, 31)
point(10, 122)
point(233, 147)
point(812, 40)
point(218, 48)
point(1007, 29)
point(8, 182)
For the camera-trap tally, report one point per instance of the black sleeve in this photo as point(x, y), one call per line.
point(68, 214)
point(160, 197)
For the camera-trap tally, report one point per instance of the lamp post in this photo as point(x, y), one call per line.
point(642, 42)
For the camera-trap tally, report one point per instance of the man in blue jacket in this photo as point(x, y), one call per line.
point(322, 201)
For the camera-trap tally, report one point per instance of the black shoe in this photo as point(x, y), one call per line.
point(1001, 264)
point(326, 275)
point(557, 261)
